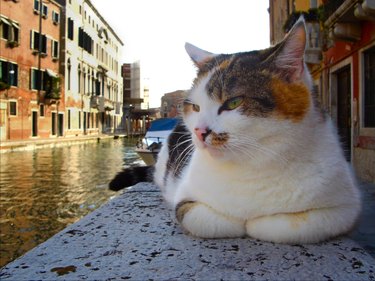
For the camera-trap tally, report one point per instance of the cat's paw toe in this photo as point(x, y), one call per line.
point(183, 208)
point(201, 220)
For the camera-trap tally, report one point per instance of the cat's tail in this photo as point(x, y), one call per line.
point(131, 176)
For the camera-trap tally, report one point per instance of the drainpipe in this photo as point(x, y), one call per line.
point(40, 48)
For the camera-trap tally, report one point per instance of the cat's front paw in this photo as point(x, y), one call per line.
point(203, 221)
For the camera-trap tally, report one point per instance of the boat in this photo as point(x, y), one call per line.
point(149, 147)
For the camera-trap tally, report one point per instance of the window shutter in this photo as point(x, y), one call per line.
point(15, 74)
point(44, 44)
point(31, 40)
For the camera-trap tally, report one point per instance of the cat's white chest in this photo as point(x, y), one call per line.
point(224, 186)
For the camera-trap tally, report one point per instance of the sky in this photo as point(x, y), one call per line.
point(155, 32)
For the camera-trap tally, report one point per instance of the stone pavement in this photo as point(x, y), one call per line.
point(135, 236)
point(364, 234)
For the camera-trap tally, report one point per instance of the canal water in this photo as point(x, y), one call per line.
point(43, 191)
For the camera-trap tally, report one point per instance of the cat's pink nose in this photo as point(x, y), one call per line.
point(202, 133)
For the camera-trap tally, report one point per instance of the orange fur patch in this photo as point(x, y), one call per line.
point(224, 64)
point(292, 100)
point(219, 139)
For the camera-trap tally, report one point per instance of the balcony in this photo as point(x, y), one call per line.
point(343, 18)
point(101, 103)
point(95, 101)
point(313, 53)
point(108, 105)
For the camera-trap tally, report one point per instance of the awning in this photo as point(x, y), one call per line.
point(51, 73)
point(4, 20)
point(15, 25)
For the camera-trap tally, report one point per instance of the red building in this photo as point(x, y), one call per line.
point(340, 53)
point(348, 79)
point(31, 99)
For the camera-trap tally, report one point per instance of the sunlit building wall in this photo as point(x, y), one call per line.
point(93, 81)
point(31, 96)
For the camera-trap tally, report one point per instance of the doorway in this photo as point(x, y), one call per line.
point(34, 124)
point(344, 116)
point(53, 124)
point(60, 124)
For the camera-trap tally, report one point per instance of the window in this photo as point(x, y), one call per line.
point(69, 73)
point(36, 6)
point(55, 17)
point(9, 73)
point(70, 29)
point(34, 42)
point(79, 79)
point(44, 80)
point(9, 30)
point(41, 110)
point(84, 82)
point(44, 11)
point(84, 41)
point(12, 108)
point(369, 88)
point(36, 79)
point(55, 49)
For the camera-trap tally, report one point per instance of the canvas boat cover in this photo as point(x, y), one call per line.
point(160, 130)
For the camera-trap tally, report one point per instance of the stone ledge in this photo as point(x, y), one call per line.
point(135, 236)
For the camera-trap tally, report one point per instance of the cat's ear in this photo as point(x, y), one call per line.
point(290, 58)
point(198, 56)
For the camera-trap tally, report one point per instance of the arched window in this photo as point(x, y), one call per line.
point(69, 73)
point(84, 81)
point(79, 79)
point(89, 83)
point(92, 81)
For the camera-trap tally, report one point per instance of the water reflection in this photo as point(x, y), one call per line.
point(43, 191)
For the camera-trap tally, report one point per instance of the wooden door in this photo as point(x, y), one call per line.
point(344, 117)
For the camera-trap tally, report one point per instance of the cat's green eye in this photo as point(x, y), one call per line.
point(233, 103)
point(188, 106)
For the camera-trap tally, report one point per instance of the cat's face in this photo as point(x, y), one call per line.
point(239, 102)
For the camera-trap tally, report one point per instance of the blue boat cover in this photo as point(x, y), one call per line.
point(163, 124)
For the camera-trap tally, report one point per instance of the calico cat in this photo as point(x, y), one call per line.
point(253, 154)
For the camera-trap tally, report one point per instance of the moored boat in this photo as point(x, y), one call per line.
point(149, 147)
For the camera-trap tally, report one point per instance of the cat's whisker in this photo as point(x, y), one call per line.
point(243, 145)
point(180, 144)
point(184, 155)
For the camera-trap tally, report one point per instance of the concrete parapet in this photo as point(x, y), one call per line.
point(135, 237)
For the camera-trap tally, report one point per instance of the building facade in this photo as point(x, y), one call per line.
point(136, 107)
point(32, 103)
point(172, 103)
point(348, 80)
point(344, 76)
point(60, 71)
point(92, 71)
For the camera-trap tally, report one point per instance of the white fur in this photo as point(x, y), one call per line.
point(257, 190)
point(276, 180)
